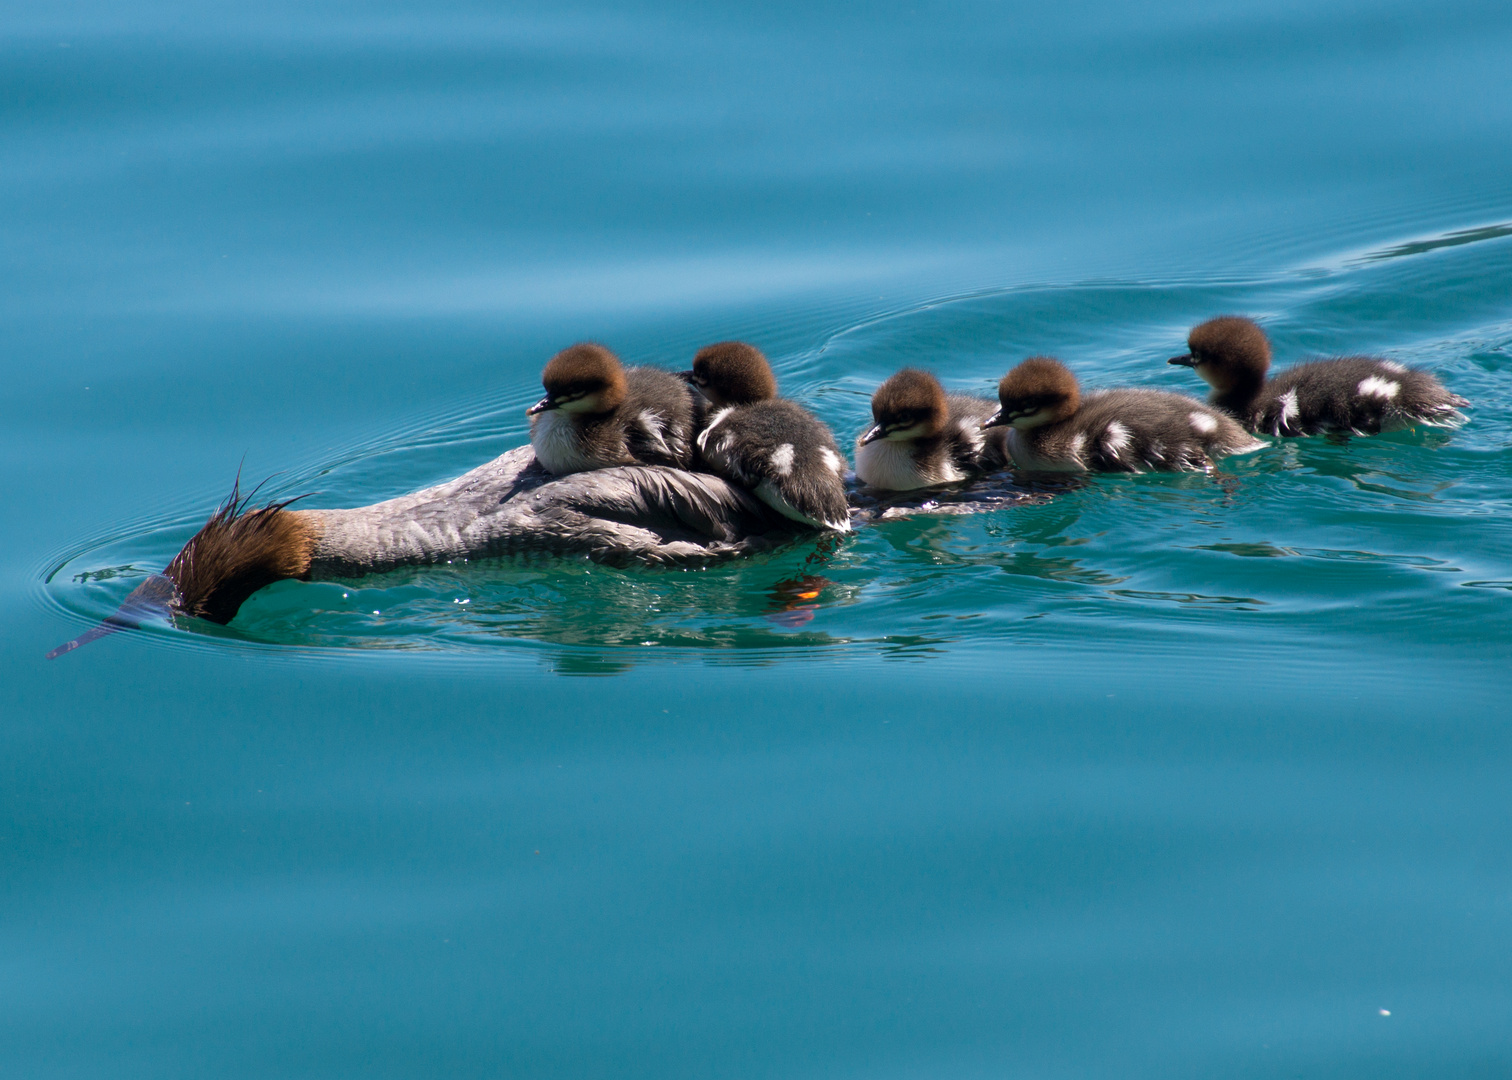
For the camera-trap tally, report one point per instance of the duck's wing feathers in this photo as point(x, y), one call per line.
point(623, 514)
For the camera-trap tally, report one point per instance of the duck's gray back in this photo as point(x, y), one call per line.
point(634, 513)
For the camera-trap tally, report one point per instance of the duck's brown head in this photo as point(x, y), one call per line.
point(584, 378)
point(1231, 353)
point(732, 373)
point(237, 552)
point(910, 405)
point(1040, 391)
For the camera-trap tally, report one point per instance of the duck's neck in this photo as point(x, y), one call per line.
point(1239, 396)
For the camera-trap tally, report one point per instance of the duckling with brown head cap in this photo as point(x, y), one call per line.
point(598, 414)
point(1054, 428)
point(1350, 395)
point(778, 449)
point(923, 436)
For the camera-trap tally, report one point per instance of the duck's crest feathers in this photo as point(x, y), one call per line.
point(237, 552)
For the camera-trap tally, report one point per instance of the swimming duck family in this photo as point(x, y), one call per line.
point(641, 465)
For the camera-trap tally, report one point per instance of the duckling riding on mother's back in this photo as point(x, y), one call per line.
point(775, 447)
point(597, 414)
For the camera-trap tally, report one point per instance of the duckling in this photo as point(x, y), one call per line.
point(924, 436)
point(775, 447)
point(597, 414)
point(1055, 429)
point(1352, 395)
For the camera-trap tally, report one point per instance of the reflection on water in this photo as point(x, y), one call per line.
point(1238, 603)
point(1367, 468)
point(1451, 239)
point(792, 602)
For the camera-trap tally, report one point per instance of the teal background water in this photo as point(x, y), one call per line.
point(1166, 777)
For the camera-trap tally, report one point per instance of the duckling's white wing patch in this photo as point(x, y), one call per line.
point(1078, 444)
point(1374, 386)
point(832, 459)
point(1203, 424)
point(972, 433)
point(1289, 410)
point(782, 459)
point(1393, 367)
point(714, 422)
point(1115, 439)
point(653, 425)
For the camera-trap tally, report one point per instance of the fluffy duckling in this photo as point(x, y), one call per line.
point(1352, 395)
point(773, 446)
point(597, 414)
point(923, 436)
point(1053, 428)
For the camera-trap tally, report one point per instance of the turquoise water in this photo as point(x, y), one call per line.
point(1191, 776)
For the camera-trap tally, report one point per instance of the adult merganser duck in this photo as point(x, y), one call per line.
point(1351, 395)
point(1054, 428)
point(923, 436)
point(597, 414)
point(630, 514)
point(773, 446)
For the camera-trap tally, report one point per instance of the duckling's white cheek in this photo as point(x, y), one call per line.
point(581, 405)
point(905, 434)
